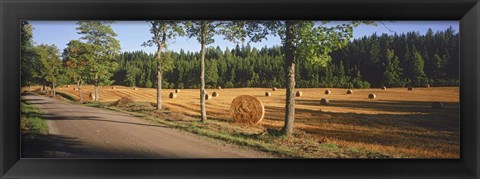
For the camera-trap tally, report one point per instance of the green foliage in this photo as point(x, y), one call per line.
point(103, 48)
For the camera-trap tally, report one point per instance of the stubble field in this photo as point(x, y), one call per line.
point(398, 122)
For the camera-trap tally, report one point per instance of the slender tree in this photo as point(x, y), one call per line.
point(163, 32)
point(76, 59)
point(204, 32)
point(51, 65)
point(105, 48)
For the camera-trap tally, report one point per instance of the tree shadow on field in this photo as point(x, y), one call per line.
point(388, 106)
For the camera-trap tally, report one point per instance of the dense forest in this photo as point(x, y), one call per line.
point(397, 60)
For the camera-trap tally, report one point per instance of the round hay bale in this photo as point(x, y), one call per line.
point(247, 109)
point(219, 87)
point(327, 92)
point(92, 96)
point(384, 87)
point(324, 101)
point(274, 89)
point(124, 101)
point(298, 94)
point(215, 94)
point(207, 97)
point(177, 90)
point(113, 87)
point(437, 105)
point(267, 94)
point(372, 96)
point(410, 88)
point(349, 91)
point(172, 95)
point(75, 89)
point(68, 86)
point(428, 86)
point(135, 88)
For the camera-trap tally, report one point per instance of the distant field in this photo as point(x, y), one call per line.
point(398, 122)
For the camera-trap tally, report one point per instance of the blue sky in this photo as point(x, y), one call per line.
point(132, 34)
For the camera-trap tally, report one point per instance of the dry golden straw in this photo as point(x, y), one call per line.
point(247, 109)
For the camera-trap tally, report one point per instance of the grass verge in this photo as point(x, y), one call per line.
point(300, 145)
point(34, 130)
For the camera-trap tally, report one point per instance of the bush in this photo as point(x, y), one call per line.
point(124, 101)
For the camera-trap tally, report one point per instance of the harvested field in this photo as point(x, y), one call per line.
point(398, 122)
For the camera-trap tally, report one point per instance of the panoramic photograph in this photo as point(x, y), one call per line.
point(162, 89)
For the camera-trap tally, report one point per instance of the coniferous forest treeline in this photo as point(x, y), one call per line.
point(395, 60)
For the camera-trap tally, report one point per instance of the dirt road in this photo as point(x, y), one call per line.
point(86, 132)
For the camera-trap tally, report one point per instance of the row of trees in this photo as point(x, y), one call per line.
point(390, 60)
point(307, 49)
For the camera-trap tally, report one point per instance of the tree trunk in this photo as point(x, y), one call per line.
point(96, 92)
point(79, 86)
point(53, 90)
point(290, 79)
point(159, 75)
point(203, 109)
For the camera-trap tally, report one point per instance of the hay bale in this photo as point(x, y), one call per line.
point(247, 109)
point(274, 89)
point(298, 94)
point(75, 89)
point(215, 94)
point(92, 96)
point(324, 101)
point(384, 87)
point(410, 88)
point(68, 86)
point(219, 87)
point(349, 91)
point(124, 101)
point(177, 90)
point(172, 95)
point(327, 92)
point(135, 88)
point(267, 94)
point(372, 96)
point(428, 86)
point(207, 97)
point(113, 87)
point(437, 105)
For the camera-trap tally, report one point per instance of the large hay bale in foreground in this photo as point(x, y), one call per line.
point(384, 87)
point(267, 94)
point(92, 96)
point(124, 101)
point(349, 91)
point(172, 95)
point(298, 94)
point(437, 105)
point(215, 94)
point(327, 92)
point(372, 96)
point(177, 90)
point(247, 109)
point(274, 89)
point(410, 88)
point(324, 101)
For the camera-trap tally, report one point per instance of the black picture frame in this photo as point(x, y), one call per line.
point(13, 11)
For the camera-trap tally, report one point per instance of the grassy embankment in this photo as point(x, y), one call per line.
point(33, 129)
